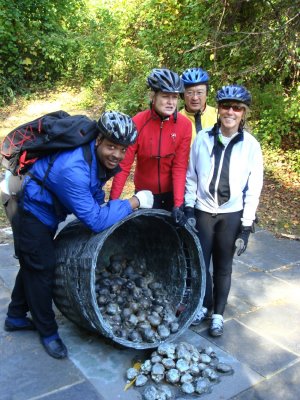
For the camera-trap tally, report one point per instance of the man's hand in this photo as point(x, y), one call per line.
point(242, 239)
point(145, 198)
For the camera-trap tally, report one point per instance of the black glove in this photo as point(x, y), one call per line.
point(189, 212)
point(242, 239)
point(178, 216)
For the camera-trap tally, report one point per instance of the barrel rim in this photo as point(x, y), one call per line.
point(105, 328)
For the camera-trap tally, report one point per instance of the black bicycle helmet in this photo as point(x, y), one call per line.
point(117, 127)
point(194, 76)
point(234, 92)
point(164, 80)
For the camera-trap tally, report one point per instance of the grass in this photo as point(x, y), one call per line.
point(278, 210)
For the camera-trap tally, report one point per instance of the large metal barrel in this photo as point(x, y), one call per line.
point(173, 255)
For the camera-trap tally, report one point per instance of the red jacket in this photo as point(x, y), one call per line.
point(162, 151)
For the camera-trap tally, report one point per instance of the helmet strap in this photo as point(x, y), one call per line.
point(99, 139)
point(241, 126)
point(151, 102)
point(175, 116)
point(152, 108)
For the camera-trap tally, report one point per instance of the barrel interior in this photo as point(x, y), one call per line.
point(173, 256)
point(155, 241)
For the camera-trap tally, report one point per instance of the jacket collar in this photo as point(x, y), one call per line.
point(104, 174)
point(155, 115)
point(192, 114)
point(216, 130)
point(214, 133)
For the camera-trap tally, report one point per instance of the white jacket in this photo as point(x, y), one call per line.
point(237, 181)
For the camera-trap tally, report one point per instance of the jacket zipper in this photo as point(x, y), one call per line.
point(218, 178)
point(159, 147)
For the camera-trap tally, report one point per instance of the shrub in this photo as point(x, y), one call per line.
point(277, 117)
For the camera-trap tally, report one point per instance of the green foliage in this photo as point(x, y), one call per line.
point(110, 46)
point(49, 41)
point(278, 121)
point(127, 89)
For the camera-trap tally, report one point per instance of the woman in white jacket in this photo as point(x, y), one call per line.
point(223, 185)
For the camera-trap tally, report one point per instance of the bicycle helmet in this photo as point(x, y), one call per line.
point(118, 128)
point(164, 80)
point(194, 76)
point(234, 92)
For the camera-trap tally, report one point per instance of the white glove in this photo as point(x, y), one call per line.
point(145, 198)
point(5, 183)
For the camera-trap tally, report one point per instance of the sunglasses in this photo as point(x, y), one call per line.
point(228, 106)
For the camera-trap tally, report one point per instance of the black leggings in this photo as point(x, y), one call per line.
point(163, 201)
point(217, 235)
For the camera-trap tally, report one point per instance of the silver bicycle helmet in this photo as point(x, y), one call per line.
point(164, 80)
point(117, 127)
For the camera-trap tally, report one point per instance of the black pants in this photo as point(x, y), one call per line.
point(217, 235)
point(163, 201)
point(34, 282)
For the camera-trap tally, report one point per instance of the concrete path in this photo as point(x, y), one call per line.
point(261, 338)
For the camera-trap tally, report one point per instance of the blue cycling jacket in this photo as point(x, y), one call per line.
point(78, 187)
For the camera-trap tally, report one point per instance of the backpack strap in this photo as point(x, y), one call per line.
point(87, 153)
point(87, 156)
point(50, 165)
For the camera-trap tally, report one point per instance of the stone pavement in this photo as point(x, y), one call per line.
point(261, 338)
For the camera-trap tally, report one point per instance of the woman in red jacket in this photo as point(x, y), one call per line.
point(162, 148)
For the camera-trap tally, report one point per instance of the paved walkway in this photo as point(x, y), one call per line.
point(261, 338)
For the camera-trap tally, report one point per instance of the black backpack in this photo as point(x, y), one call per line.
point(49, 134)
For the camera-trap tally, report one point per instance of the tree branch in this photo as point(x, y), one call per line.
point(217, 31)
point(206, 43)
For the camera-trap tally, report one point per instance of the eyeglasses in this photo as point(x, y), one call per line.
point(190, 93)
point(228, 106)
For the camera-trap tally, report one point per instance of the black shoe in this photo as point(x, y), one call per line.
point(55, 348)
point(28, 325)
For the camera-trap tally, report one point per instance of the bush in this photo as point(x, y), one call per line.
point(50, 41)
point(276, 117)
point(127, 90)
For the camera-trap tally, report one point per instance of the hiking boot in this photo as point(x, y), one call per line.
point(19, 324)
point(200, 316)
point(216, 326)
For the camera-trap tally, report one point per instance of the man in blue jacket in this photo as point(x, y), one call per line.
point(73, 185)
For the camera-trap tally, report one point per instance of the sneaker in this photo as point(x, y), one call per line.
point(200, 316)
point(216, 326)
point(19, 324)
point(54, 346)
